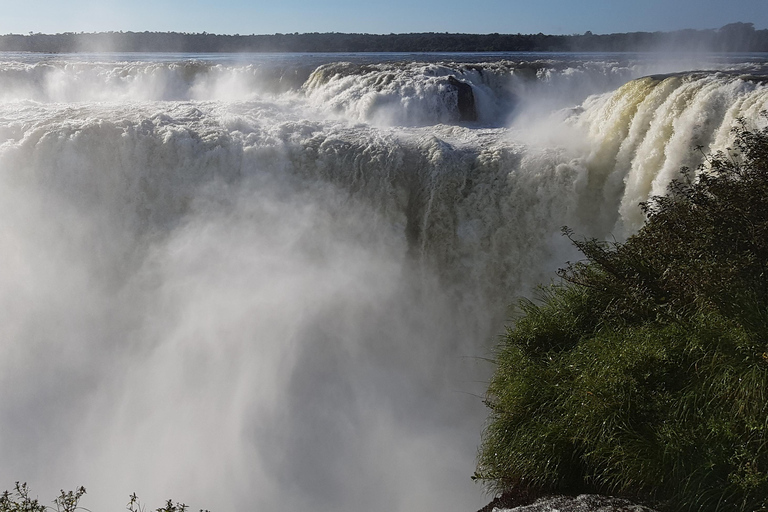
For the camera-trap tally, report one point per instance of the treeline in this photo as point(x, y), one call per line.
point(735, 37)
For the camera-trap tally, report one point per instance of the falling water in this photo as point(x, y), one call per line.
point(271, 282)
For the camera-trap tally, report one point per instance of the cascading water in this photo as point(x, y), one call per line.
point(271, 282)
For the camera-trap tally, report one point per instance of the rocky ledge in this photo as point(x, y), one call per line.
point(582, 503)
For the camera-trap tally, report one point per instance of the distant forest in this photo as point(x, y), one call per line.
point(735, 37)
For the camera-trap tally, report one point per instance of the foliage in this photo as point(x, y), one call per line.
point(134, 505)
point(19, 500)
point(644, 373)
point(68, 501)
point(734, 37)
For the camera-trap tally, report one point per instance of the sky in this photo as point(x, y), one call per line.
point(376, 16)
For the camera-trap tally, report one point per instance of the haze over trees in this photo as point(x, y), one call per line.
point(735, 37)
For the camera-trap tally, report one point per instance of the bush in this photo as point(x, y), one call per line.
point(644, 373)
point(19, 500)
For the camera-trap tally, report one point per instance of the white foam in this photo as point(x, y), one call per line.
point(277, 299)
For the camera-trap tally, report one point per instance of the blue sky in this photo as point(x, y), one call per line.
point(375, 16)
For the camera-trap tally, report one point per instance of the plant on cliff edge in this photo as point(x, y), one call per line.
point(645, 372)
point(19, 500)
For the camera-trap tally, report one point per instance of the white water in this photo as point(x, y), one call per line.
point(270, 283)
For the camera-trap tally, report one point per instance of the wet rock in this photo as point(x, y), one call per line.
point(510, 499)
point(582, 503)
point(466, 99)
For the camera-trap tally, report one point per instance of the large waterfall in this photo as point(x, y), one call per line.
point(271, 282)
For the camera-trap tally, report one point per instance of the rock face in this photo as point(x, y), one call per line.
point(466, 99)
point(582, 503)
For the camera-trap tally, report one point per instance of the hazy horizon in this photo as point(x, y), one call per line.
point(554, 17)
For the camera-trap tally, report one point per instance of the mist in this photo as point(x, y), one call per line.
point(263, 342)
point(250, 285)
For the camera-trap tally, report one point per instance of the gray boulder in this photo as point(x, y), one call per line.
point(582, 503)
point(466, 99)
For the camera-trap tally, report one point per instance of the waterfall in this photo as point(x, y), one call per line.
point(273, 284)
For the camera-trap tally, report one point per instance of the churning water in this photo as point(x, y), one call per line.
point(269, 282)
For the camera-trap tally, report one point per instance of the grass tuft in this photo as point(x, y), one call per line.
point(644, 373)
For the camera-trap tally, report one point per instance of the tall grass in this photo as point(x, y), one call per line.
point(644, 373)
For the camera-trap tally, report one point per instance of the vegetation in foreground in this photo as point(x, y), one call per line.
point(20, 500)
point(645, 372)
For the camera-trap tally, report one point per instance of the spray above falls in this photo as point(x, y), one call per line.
point(272, 283)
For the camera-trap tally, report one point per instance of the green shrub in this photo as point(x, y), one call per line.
point(19, 500)
point(644, 373)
